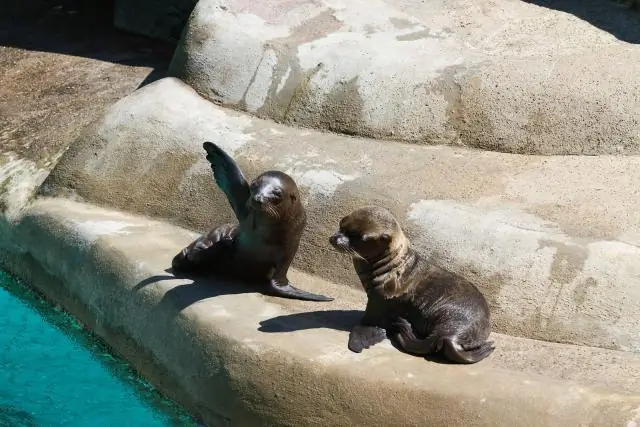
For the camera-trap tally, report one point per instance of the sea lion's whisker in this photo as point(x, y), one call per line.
point(348, 250)
point(355, 254)
point(339, 248)
point(273, 211)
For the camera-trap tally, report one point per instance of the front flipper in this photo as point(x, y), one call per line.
point(287, 290)
point(363, 336)
point(201, 255)
point(280, 286)
point(229, 178)
point(189, 259)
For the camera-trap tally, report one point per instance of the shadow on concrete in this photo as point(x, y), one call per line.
point(340, 320)
point(79, 28)
point(608, 15)
point(201, 288)
point(182, 296)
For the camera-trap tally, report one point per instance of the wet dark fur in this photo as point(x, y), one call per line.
point(424, 308)
point(262, 246)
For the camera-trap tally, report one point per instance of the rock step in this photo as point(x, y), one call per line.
point(553, 242)
point(501, 75)
point(239, 358)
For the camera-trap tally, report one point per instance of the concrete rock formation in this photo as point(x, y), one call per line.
point(507, 75)
point(495, 218)
point(42, 111)
point(552, 241)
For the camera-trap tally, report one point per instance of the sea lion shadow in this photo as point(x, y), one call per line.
point(201, 287)
point(341, 320)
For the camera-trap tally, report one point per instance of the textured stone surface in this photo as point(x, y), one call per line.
point(61, 65)
point(552, 241)
point(505, 75)
point(161, 19)
point(235, 357)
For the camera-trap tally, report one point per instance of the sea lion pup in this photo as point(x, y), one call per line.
point(261, 247)
point(424, 308)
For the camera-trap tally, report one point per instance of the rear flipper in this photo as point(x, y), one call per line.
point(407, 340)
point(287, 290)
point(453, 351)
point(363, 336)
point(201, 254)
point(456, 353)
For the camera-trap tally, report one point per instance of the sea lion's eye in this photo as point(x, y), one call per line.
point(277, 192)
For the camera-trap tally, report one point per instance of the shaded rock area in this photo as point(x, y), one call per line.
point(632, 4)
point(161, 19)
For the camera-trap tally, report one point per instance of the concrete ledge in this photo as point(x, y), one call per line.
point(552, 241)
point(235, 357)
point(503, 75)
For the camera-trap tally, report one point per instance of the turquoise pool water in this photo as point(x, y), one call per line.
point(52, 373)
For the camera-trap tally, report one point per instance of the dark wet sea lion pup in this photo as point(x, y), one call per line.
point(262, 246)
point(424, 308)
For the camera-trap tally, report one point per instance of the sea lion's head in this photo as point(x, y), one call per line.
point(274, 193)
point(368, 233)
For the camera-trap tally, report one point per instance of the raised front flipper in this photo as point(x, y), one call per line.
point(229, 178)
point(363, 336)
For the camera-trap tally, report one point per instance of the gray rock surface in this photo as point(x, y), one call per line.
point(161, 19)
point(243, 359)
point(59, 71)
point(552, 241)
point(505, 75)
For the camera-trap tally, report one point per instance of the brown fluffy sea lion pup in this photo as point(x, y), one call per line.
point(424, 308)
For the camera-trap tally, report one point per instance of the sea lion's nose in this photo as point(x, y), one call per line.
point(338, 240)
